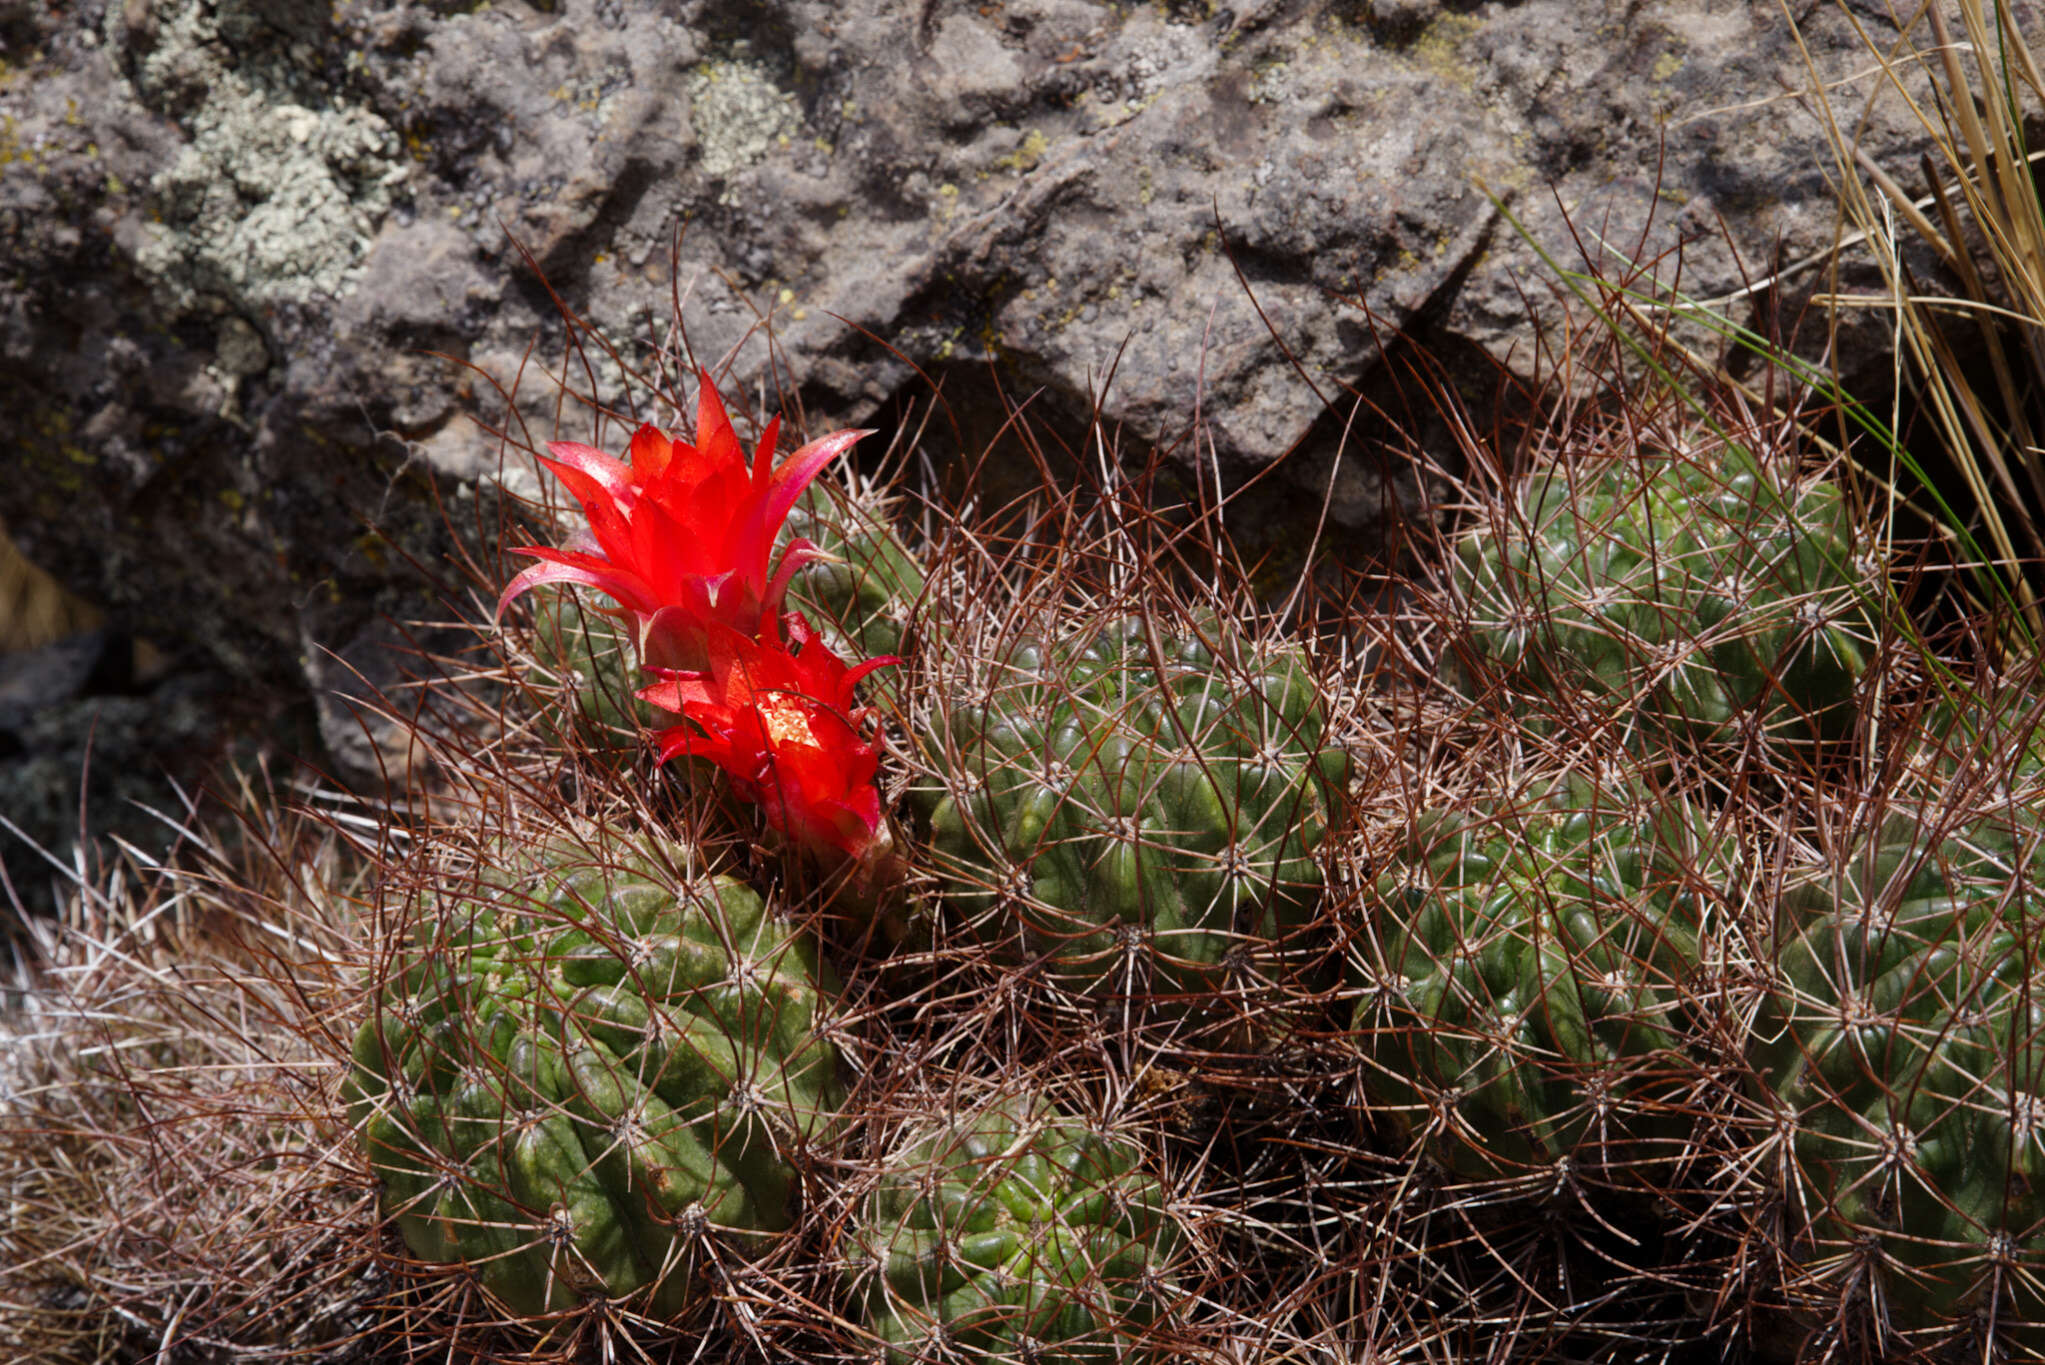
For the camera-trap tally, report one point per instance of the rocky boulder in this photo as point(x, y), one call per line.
point(238, 239)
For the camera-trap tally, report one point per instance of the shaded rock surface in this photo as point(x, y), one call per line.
point(234, 232)
point(87, 745)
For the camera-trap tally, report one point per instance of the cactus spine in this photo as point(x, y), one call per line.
point(1012, 1233)
point(1138, 806)
point(1523, 1003)
point(861, 597)
point(1681, 591)
point(575, 1074)
point(1906, 1038)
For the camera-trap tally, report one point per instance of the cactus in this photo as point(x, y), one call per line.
point(1523, 1004)
point(1137, 809)
point(1906, 1045)
point(1683, 591)
point(592, 657)
point(573, 1074)
point(861, 595)
point(1012, 1233)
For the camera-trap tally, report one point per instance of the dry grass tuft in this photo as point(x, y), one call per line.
point(1971, 353)
point(177, 1179)
point(35, 610)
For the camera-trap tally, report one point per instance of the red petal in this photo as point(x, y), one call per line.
point(800, 552)
point(859, 671)
point(560, 566)
point(651, 451)
point(601, 509)
point(715, 439)
point(680, 739)
point(615, 478)
point(796, 473)
point(660, 548)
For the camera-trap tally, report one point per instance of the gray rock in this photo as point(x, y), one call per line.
point(32, 681)
point(234, 232)
point(80, 765)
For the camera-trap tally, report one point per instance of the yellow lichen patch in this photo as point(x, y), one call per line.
point(11, 149)
point(1439, 48)
point(1027, 153)
point(374, 548)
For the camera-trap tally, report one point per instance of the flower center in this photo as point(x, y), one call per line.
point(786, 721)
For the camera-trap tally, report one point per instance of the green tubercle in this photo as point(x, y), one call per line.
point(1013, 1233)
point(582, 1065)
point(1905, 1042)
point(1684, 593)
point(1136, 806)
point(1524, 988)
point(861, 598)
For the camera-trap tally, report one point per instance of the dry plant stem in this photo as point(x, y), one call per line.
point(1983, 197)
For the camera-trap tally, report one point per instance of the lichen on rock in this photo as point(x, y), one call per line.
point(739, 114)
point(273, 200)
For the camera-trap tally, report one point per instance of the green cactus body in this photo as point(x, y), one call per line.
point(1907, 1040)
point(1521, 1004)
point(593, 657)
point(573, 1073)
point(1136, 822)
point(1684, 593)
point(862, 596)
point(1014, 1233)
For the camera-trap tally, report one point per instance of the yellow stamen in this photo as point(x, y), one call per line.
point(786, 720)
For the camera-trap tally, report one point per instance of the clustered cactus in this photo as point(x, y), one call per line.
point(1905, 1040)
point(1525, 1000)
point(1684, 590)
point(1136, 803)
point(1012, 1232)
point(584, 1062)
point(1593, 962)
point(1009, 943)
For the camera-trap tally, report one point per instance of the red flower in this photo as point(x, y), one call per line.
point(683, 536)
point(787, 730)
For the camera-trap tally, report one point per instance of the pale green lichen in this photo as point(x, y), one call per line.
point(739, 114)
point(280, 189)
point(1028, 152)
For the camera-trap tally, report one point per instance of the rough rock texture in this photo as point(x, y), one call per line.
point(231, 230)
point(84, 739)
